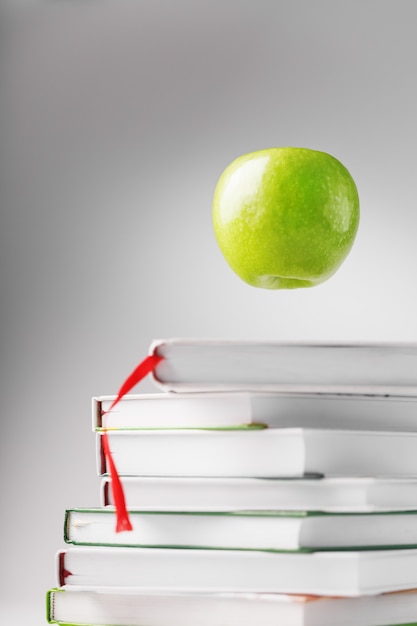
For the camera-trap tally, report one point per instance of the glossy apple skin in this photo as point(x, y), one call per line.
point(285, 217)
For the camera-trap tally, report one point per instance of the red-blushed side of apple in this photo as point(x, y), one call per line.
point(285, 217)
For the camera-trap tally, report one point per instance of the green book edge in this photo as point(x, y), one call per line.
point(241, 513)
point(252, 426)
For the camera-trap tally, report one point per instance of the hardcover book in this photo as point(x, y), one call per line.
point(244, 530)
point(103, 607)
point(360, 495)
point(341, 573)
point(236, 409)
point(284, 452)
point(358, 368)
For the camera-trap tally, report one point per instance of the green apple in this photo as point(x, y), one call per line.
point(285, 217)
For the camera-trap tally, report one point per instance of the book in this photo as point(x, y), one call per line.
point(234, 409)
point(341, 573)
point(271, 452)
point(244, 530)
point(353, 368)
point(228, 494)
point(100, 607)
point(173, 410)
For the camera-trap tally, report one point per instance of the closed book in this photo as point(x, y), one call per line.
point(244, 530)
point(175, 410)
point(104, 607)
point(225, 494)
point(354, 368)
point(234, 409)
point(342, 573)
point(260, 453)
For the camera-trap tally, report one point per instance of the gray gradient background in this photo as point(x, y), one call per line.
point(117, 119)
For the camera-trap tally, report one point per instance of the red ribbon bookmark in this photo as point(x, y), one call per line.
point(143, 369)
point(122, 516)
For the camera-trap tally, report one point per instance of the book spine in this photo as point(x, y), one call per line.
point(105, 496)
point(50, 606)
point(100, 457)
point(62, 572)
point(97, 413)
point(67, 527)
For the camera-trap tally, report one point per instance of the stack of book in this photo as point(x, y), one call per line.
point(267, 483)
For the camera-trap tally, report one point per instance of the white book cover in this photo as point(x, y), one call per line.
point(346, 573)
point(286, 452)
point(126, 607)
point(357, 368)
point(244, 530)
point(359, 495)
point(237, 409)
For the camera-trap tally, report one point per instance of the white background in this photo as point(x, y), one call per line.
point(116, 120)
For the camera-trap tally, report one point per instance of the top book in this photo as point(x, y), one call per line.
point(345, 368)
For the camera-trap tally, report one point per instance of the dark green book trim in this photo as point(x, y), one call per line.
point(241, 513)
point(240, 549)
